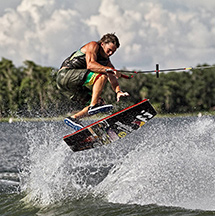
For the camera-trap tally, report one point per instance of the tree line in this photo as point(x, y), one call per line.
point(30, 91)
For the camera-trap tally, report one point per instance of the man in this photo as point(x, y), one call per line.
point(86, 70)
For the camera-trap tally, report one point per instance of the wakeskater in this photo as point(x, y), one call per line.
point(83, 75)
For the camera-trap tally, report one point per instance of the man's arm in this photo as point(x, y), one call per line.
point(113, 80)
point(115, 85)
point(91, 49)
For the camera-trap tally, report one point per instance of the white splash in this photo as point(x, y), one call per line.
point(51, 172)
point(173, 167)
point(169, 162)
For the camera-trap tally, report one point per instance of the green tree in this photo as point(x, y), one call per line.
point(202, 94)
point(31, 90)
point(8, 80)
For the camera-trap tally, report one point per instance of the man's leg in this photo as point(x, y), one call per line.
point(81, 114)
point(98, 86)
point(95, 106)
point(97, 90)
point(74, 122)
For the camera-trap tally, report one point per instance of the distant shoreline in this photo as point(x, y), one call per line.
point(61, 118)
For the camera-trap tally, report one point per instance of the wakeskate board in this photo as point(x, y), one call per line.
point(111, 128)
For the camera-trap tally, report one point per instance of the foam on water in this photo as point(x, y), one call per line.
point(170, 162)
point(174, 167)
point(52, 172)
point(41, 173)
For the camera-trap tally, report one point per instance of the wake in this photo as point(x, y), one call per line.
point(172, 167)
point(170, 161)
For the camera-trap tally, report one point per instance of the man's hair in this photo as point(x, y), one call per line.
point(110, 38)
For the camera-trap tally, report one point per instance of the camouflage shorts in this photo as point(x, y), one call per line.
point(70, 82)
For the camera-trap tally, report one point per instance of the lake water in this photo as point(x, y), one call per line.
point(165, 168)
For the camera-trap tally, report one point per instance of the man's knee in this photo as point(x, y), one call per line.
point(103, 77)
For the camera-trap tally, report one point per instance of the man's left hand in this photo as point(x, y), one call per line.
point(121, 94)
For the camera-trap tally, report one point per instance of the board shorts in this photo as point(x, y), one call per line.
point(77, 84)
point(91, 79)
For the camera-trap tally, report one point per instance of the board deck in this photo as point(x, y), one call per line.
point(111, 128)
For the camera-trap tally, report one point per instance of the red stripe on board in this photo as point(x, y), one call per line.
point(106, 118)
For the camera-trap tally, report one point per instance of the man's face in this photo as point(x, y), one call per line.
point(108, 48)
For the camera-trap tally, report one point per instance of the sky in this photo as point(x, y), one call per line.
point(173, 33)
